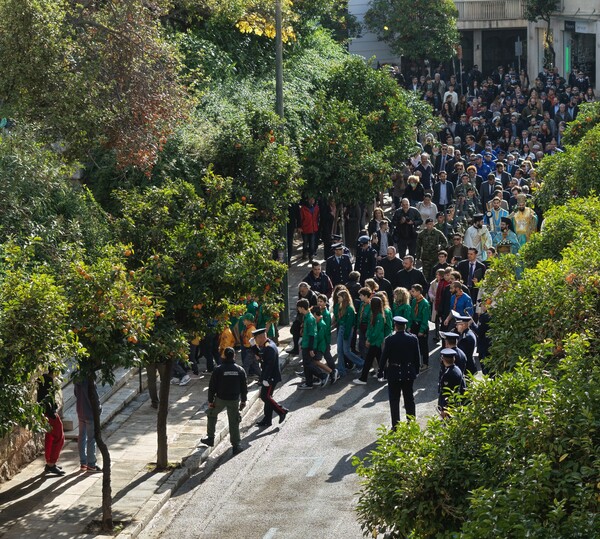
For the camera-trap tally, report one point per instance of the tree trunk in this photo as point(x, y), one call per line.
point(107, 522)
point(162, 457)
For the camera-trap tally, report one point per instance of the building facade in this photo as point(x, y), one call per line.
point(575, 28)
point(495, 32)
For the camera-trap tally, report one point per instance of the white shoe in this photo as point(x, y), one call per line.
point(381, 379)
point(359, 382)
point(317, 383)
point(175, 381)
point(325, 380)
point(185, 380)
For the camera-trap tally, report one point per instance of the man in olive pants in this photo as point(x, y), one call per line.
point(227, 388)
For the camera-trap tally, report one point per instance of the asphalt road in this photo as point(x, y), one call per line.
point(294, 481)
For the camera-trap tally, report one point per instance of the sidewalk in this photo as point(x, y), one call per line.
point(42, 506)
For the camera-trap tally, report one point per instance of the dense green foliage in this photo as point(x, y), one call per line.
point(520, 457)
point(575, 172)
point(92, 73)
point(34, 335)
point(520, 461)
point(415, 29)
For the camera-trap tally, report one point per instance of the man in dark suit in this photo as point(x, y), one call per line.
point(501, 175)
point(400, 362)
point(384, 284)
point(443, 191)
point(338, 266)
point(488, 188)
point(471, 271)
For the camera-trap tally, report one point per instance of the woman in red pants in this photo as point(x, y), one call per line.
point(55, 437)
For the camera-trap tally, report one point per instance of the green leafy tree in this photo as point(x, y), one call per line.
point(111, 313)
point(574, 172)
point(192, 239)
point(535, 10)
point(339, 158)
point(34, 336)
point(535, 424)
point(421, 29)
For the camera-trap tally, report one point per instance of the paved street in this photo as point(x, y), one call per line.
point(293, 481)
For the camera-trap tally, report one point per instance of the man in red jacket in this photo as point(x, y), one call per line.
point(309, 226)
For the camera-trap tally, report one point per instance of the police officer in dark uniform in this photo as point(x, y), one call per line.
point(400, 361)
point(450, 340)
point(366, 259)
point(227, 388)
point(451, 381)
point(338, 265)
point(467, 341)
point(267, 352)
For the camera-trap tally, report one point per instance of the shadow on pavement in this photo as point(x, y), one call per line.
point(344, 466)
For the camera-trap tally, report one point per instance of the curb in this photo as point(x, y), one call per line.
point(189, 465)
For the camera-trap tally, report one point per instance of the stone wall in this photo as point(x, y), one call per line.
point(17, 449)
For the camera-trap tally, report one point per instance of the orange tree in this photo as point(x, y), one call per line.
point(207, 258)
point(34, 335)
point(360, 127)
point(111, 312)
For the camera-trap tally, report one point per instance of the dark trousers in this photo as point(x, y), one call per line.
point(309, 244)
point(423, 343)
point(210, 350)
point(310, 369)
point(266, 395)
point(373, 353)
point(295, 331)
point(404, 245)
point(395, 389)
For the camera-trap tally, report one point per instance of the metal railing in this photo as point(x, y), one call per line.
point(487, 10)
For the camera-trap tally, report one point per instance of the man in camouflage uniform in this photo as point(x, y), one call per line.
point(429, 242)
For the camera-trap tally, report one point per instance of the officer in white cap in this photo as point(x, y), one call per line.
point(400, 362)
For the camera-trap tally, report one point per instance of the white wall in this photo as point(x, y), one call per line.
point(368, 45)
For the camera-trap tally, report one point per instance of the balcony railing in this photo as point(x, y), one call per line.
point(488, 10)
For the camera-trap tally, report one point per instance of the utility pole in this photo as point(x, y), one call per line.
point(284, 316)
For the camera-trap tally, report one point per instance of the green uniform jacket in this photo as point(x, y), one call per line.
point(364, 313)
point(347, 320)
point(401, 310)
point(321, 342)
point(376, 331)
point(309, 333)
point(389, 322)
point(327, 319)
point(422, 316)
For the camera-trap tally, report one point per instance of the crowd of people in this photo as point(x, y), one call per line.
point(459, 202)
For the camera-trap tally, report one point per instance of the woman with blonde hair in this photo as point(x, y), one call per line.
point(401, 305)
point(345, 315)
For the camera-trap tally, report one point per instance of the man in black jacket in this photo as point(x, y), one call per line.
point(400, 361)
point(227, 388)
point(405, 224)
point(266, 351)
